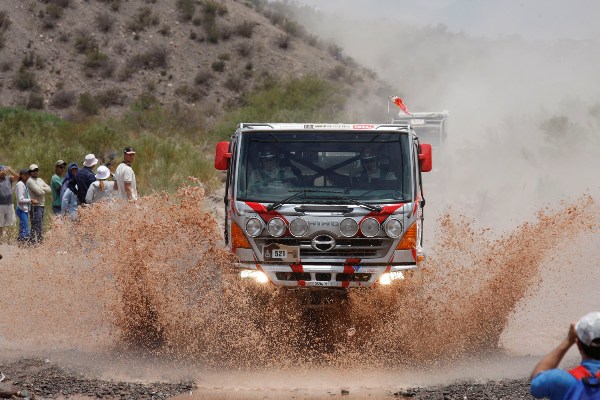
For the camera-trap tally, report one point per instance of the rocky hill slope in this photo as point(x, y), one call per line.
point(86, 57)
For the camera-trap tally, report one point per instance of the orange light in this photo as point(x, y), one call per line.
point(238, 239)
point(409, 240)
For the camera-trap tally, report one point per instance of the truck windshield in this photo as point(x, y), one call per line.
point(371, 167)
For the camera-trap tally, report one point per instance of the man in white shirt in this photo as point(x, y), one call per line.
point(38, 189)
point(125, 177)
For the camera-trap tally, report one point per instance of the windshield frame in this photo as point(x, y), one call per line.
point(404, 193)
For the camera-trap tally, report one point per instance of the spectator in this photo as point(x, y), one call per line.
point(85, 177)
point(69, 192)
point(557, 384)
point(125, 177)
point(56, 184)
point(7, 211)
point(23, 203)
point(101, 189)
point(38, 189)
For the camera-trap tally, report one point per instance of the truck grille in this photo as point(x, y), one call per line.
point(344, 247)
point(322, 277)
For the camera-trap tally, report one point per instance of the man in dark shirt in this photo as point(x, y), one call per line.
point(85, 177)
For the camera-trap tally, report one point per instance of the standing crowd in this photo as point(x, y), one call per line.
point(78, 187)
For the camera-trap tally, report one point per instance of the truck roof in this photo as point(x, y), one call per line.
point(310, 127)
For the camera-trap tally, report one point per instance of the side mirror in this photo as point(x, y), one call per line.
point(425, 157)
point(222, 156)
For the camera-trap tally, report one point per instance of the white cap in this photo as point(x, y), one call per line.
point(588, 329)
point(90, 160)
point(33, 166)
point(102, 172)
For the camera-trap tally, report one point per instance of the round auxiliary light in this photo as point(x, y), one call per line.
point(298, 227)
point(393, 228)
point(369, 227)
point(276, 227)
point(348, 227)
point(254, 227)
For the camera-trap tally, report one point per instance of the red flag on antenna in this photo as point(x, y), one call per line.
point(398, 101)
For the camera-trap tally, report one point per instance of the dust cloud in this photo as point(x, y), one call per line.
point(152, 278)
point(524, 113)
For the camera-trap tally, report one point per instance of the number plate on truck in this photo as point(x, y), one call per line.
point(280, 252)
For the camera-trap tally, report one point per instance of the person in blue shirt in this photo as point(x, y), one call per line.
point(547, 381)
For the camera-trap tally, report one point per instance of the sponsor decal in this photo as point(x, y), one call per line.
point(363, 126)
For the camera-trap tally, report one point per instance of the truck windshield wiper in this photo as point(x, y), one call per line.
point(368, 206)
point(299, 193)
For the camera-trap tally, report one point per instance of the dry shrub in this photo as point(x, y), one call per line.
point(245, 49)
point(62, 99)
point(84, 42)
point(111, 97)
point(186, 9)
point(104, 22)
point(203, 78)
point(143, 19)
point(189, 93)
point(283, 41)
point(245, 29)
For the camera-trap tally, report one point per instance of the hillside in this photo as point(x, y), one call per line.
point(77, 57)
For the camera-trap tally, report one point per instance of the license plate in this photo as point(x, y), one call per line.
point(280, 252)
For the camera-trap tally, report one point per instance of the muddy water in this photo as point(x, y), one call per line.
point(144, 291)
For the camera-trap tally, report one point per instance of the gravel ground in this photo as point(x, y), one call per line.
point(43, 379)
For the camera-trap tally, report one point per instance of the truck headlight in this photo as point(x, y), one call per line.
point(348, 227)
point(276, 227)
point(388, 277)
point(298, 227)
point(369, 227)
point(254, 227)
point(258, 276)
point(393, 228)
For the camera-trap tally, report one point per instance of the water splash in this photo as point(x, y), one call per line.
point(152, 276)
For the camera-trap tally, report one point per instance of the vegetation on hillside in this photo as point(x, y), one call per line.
point(172, 143)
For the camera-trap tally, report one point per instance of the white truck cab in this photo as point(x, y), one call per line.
point(324, 205)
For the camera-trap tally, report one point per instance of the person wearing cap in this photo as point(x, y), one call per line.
point(101, 189)
point(270, 173)
point(125, 176)
point(7, 211)
point(85, 177)
point(24, 201)
point(56, 184)
point(549, 381)
point(38, 189)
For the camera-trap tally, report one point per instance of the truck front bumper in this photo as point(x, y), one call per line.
point(323, 276)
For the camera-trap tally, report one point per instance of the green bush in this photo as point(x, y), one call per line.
point(87, 104)
point(25, 80)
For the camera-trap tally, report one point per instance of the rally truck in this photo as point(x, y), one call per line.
point(431, 127)
point(315, 206)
